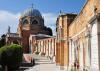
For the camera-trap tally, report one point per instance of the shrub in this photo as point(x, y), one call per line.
point(2, 40)
point(0, 68)
point(11, 56)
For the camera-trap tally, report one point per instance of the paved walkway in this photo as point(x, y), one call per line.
point(43, 64)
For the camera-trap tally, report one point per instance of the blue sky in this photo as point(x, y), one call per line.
point(10, 11)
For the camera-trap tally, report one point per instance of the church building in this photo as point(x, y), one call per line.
point(31, 22)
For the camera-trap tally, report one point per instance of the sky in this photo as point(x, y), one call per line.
point(11, 10)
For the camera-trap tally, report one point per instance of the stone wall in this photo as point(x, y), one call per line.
point(82, 20)
point(75, 36)
point(62, 24)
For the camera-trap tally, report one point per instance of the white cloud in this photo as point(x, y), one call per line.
point(50, 21)
point(12, 20)
point(8, 19)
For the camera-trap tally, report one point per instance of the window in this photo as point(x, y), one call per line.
point(34, 22)
point(25, 22)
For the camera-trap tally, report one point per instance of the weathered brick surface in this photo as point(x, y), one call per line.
point(82, 20)
point(76, 29)
point(63, 23)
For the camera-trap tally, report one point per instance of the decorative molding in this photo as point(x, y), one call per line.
point(97, 15)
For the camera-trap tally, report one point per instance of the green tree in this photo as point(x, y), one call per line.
point(11, 57)
point(3, 40)
point(50, 31)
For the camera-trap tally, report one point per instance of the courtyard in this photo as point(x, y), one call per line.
point(43, 64)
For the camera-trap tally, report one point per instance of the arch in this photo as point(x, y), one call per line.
point(15, 42)
point(35, 22)
point(25, 21)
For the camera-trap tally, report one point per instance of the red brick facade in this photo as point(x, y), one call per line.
point(78, 39)
point(31, 22)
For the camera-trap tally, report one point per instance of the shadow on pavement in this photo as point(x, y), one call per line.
point(21, 69)
point(25, 66)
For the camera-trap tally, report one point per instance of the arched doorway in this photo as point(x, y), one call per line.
point(15, 42)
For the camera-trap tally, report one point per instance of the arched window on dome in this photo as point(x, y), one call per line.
point(25, 22)
point(34, 22)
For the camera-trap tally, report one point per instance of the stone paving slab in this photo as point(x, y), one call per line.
point(43, 67)
point(43, 64)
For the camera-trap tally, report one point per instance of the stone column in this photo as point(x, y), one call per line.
point(57, 53)
point(98, 32)
point(81, 55)
point(54, 46)
point(45, 47)
point(37, 46)
point(51, 50)
point(70, 55)
point(95, 46)
point(48, 47)
point(40, 46)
